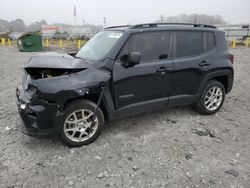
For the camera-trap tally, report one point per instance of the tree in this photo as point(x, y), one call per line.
point(43, 22)
point(36, 26)
point(200, 19)
point(4, 25)
point(18, 25)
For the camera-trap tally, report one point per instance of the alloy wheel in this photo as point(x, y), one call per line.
point(77, 125)
point(213, 98)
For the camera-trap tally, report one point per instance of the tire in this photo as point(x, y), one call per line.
point(207, 104)
point(76, 123)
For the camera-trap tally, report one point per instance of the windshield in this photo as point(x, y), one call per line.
point(98, 46)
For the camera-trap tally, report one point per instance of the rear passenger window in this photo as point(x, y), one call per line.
point(210, 40)
point(188, 43)
point(152, 46)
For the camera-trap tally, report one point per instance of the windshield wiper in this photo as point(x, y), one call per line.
point(77, 57)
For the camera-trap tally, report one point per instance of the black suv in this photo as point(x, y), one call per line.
point(121, 71)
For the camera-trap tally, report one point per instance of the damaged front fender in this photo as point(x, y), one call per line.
point(61, 88)
point(41, 103)
point(47, 87)
point(55, 77)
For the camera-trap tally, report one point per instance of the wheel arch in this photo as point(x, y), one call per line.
point(93, 97)
point(225, 77)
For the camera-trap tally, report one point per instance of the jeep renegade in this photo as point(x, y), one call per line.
point(121, 71)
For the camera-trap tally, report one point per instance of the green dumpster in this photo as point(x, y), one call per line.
point(30, 42)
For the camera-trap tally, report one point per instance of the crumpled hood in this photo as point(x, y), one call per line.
point(54, 76)
point(66, 86)
point(56, 60)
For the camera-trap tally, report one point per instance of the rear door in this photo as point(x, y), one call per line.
point(148, 81)
point(191, 62)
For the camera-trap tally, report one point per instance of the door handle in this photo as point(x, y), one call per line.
point(204, 64)
point(163, 69)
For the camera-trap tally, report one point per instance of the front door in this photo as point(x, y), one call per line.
point(146, 84)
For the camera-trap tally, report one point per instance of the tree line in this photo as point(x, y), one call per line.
point(193, 18)
point(18, 25)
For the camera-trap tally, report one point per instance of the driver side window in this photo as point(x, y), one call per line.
point(152, 46)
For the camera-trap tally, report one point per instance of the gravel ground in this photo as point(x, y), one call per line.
point(170, 148)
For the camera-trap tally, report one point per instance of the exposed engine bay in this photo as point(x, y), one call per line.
point(38, 73)
point(48, 65)
point(59, 77)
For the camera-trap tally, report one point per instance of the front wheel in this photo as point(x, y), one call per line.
point(76, 128)
point(212, 98)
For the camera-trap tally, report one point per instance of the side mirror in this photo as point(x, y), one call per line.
point(134, 58)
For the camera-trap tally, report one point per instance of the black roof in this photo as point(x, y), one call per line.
point(157, 25)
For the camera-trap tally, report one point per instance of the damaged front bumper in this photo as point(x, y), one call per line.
point(49, 82)
point(39, 117)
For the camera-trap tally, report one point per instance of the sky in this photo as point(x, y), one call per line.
point(120, 12)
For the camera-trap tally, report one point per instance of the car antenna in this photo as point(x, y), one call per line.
point(195, 20)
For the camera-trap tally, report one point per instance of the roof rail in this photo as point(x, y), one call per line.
point(148, 25)
point(118, 26)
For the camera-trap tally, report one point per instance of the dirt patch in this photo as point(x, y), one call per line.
point(157, 149)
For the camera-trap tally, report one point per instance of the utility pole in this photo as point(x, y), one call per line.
point(104, 22)
point(74, 13)
point(162, 17)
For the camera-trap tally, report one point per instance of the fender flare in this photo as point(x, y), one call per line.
point(209, 76)
point(106, 102)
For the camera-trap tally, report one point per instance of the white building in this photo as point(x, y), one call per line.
point(72, 31)
point(238, 32)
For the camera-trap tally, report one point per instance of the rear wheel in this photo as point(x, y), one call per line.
point(76, 128)
point(212, 98)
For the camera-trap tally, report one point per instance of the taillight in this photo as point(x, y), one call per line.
point(231, 57)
